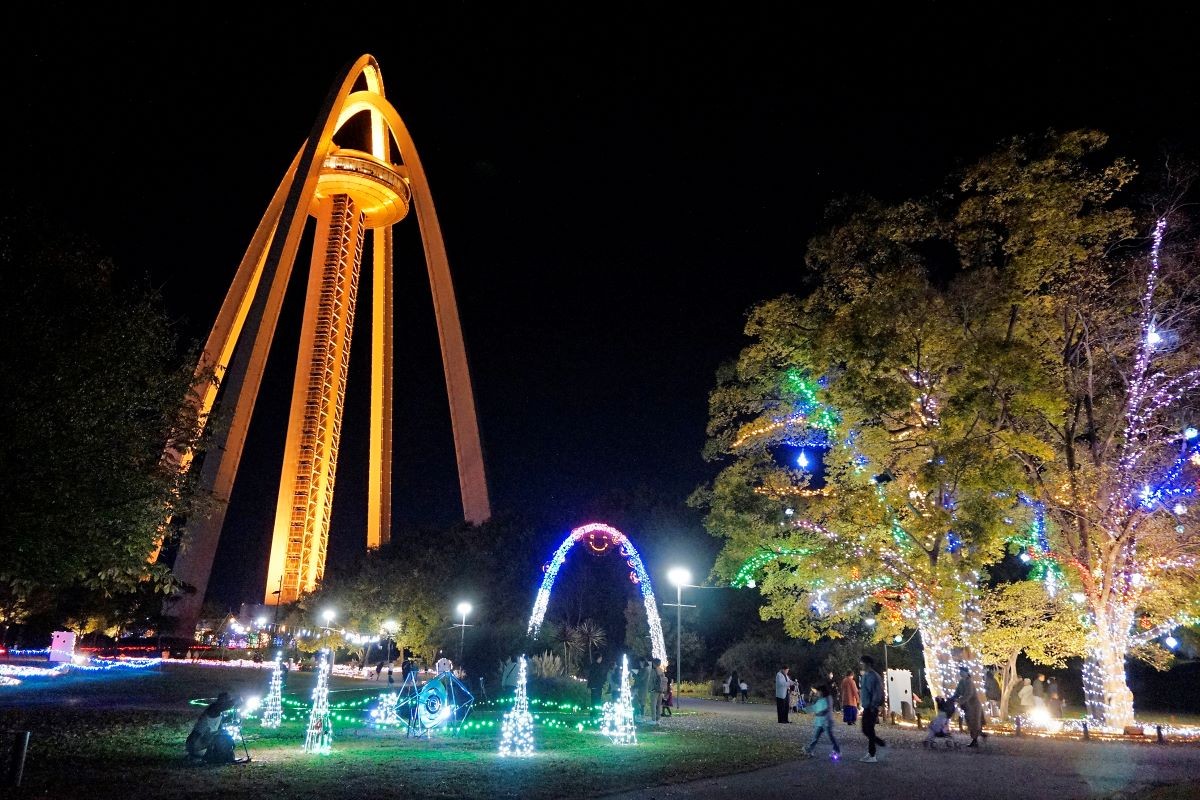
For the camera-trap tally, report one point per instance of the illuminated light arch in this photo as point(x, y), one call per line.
point(596, 534)
point(355, 191)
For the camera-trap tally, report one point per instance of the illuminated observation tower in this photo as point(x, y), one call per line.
point(365, 182)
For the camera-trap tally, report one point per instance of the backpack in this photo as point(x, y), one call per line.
point(221, 749)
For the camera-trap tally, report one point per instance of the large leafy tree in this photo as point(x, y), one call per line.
point(1023, 618)
point(95, 389)
point(932, 384)
point(888, 376)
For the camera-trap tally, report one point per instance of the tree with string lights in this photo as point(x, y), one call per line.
point(877, 370)
point(1038, 397)
point(1126, 462)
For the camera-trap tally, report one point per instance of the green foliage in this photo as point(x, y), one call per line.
point(937, 382)
point(1021, 618)
point(637, 630)
point(96, 395)
point(415, 583)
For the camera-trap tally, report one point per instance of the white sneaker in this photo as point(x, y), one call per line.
point(868, 759)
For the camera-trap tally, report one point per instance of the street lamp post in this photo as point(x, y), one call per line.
point(464, 608)
point(328, 615)
point(681, 577)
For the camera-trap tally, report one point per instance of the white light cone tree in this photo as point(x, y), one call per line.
point(516, 731)
point(616, 719)
point(272, 714)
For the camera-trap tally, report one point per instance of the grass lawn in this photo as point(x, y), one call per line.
point(114, 736)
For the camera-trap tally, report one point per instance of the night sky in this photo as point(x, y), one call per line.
point(617, 185)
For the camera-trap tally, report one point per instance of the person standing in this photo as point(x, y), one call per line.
point(735, 684)
point(1039, 691)
point(991, 690)
point(871, 693)
point(657, 690)
point(967, 698)
point(596, 676)
point(1054, 699)
point(835, 692)
point(1025, 696)
point(849, 698)
point(614, 684)
point(641, 688)
point(783, 688)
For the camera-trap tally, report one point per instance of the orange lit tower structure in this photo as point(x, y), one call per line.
point(350, 187)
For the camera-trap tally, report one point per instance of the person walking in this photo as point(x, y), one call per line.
point(783, 688)
point(871, 693)
point(668, 699)
point(849, 698)
point(596, 676)
point(822, 710)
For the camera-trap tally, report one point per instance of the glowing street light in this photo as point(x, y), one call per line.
point(680, 577)
point(464, 608)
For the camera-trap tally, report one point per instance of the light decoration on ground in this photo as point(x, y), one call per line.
point(516, 733)
point(384, 713)
point(637, 575)
point(616, 719)
point(272, 714)
point(320, 727)
point(444, 701)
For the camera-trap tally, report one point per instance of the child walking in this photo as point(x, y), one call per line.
point(822, 710)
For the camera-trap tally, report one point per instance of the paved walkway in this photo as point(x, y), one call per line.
point(1006, 767)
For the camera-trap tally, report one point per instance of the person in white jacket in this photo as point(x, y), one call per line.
point(783, 687)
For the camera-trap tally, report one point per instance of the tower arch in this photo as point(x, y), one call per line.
point(596, 535)
point(352, 192)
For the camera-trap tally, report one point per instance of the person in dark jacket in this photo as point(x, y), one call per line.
point(871, 696)
point(597, 674)
point(991, 690)
point(206, 739)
